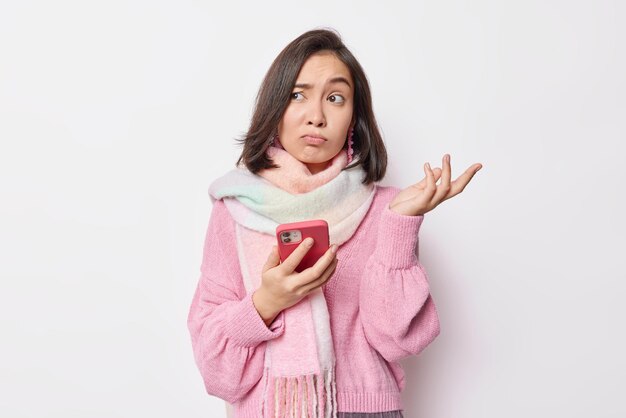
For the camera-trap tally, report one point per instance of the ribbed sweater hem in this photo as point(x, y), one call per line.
point(346, 402)
point(368, 402)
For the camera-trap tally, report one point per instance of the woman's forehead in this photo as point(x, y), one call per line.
point(323, 69)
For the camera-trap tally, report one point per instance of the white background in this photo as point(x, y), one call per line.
point(115, 117)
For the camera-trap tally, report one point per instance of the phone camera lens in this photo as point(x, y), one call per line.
point(287, 240)
point(285, 234)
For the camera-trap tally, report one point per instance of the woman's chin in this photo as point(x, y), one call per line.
point(318, 155)
point(313, 156)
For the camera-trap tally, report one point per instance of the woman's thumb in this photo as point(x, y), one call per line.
point(273, 260)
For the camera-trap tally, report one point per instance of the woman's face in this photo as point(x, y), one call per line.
point(320, 106)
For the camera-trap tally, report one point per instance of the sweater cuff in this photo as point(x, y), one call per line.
point(248, 329)
point(396, 245)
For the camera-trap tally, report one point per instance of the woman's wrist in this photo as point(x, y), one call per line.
point(403, 212)
point(266, 310)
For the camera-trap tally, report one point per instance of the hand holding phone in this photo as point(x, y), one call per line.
point(293, 270)
point(290, 235)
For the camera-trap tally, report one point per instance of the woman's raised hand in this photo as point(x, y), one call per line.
point(425, 195)
point(282, 287)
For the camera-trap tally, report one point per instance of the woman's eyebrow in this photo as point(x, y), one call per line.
point(333, 80)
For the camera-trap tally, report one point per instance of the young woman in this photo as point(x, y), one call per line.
point(324, 342)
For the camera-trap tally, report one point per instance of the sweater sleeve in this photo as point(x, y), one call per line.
point(227, 333)
point(397, 312)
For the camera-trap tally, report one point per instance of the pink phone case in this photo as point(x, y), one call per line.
point(290, 235)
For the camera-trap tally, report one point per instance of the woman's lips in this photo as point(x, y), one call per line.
point(313, 140)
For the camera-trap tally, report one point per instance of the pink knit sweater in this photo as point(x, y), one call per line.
point(378, 300)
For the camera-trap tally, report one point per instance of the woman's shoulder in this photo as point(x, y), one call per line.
point(221, 217)
point(380, 201)
point(387, 189)
point(384, 194)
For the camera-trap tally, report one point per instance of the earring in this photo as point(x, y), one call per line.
point(350, 142)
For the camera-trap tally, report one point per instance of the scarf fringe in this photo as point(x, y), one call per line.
point(308, 396)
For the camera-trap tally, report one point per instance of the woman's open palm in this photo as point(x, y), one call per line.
point(425, 195)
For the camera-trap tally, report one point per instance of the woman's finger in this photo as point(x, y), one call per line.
point(459, 184)
point(431, 187)
point(317, 269)
point(444, 187)
point(291, 263)
point(272, 260)
point(422, 183)
point(312, 285)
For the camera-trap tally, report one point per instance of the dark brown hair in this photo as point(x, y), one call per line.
point(274, 94)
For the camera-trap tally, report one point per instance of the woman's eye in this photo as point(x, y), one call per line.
point(295, 94)
point(333, 98)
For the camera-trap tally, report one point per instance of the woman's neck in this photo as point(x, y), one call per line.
point(315, 168)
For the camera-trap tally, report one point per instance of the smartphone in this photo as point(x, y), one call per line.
point(290, 235)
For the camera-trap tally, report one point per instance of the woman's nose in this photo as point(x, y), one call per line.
point(316, 115)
